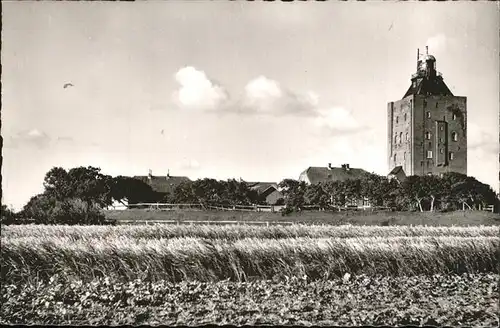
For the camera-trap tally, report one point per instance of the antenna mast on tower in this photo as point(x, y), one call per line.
point(418, 57)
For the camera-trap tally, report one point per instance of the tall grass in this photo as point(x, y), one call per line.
point(234, 232)
point(188, 258)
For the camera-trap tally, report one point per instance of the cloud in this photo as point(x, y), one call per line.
point(479, 140)
point(263, 96)
point(197, 91)
point(268, 97)
point(30, 138)
point(337, 121)
point(438, 43)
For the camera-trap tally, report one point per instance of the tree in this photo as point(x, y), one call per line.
point(208, 191)
point(316, 195)
point(238, 193)
point(86, 183)
point(352, 189)
point(432, 186)
point(183, 193)
point(56, 183)
point(40, 208)
point(91, 186)
point(412, 190)
point(293, 193)
point(455, 189)
point(7, 216)
point(133, 190)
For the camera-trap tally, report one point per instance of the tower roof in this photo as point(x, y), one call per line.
point(427, 81)
point(433, 86)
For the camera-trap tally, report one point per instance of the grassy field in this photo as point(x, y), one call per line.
point(299, 274)
point(464, 218)
point(234, 232)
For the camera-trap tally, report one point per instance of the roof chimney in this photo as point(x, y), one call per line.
point(150, 174)
point(329, 166)
point(347, 167)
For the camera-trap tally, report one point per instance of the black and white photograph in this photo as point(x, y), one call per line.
point(250, 163)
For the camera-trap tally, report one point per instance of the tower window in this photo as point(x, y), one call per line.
point(407, 137)
point(428, 114)
point(425, 103)
point(405, 117)
point(441, 128)
point(450, 156)
point(454, 136)
point(441, 151)
point(411, 104)
point(395, 158)
point(397, 119)
point(429, 154)
point(430, 144)
point(404, 156)
point(454, 117)
point(396, 138)
point(400, 137)
point(437, 105)
point(428, 135)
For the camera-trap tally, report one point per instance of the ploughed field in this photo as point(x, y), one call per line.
point(237, 274)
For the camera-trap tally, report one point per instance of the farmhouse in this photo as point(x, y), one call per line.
point(268, 190)
point(315, 175)
point(162, 184)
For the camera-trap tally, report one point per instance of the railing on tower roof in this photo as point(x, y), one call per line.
point(422, 74)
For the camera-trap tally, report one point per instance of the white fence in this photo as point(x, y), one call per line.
point(171, 207)
point(193, 222)
point(241, 208)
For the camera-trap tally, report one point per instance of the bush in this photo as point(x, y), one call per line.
point(45, 210)
point(76, 211)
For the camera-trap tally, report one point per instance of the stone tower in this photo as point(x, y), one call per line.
point(427, 128)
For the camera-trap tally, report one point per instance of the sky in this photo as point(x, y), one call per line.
point(258, 91)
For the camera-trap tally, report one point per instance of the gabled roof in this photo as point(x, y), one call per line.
point(432, 86)
point(163, 184)
point(323, 174)
point(262, 187)
point(396, 170)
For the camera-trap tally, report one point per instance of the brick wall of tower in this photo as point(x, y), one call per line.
point(400, 135)
point(390, 128)
point(448, 115)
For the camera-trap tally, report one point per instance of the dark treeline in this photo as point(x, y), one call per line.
point(452, 191)
point(78, 195)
